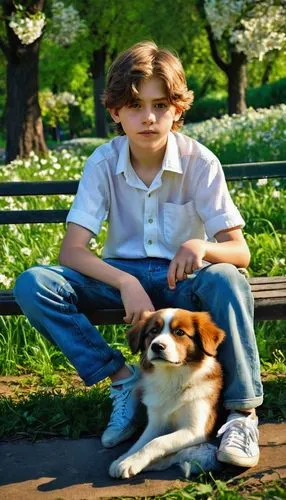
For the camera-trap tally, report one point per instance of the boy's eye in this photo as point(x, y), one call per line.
point(134, 105)
point(161, 105)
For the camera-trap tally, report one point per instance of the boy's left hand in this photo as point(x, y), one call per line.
point(188, 258)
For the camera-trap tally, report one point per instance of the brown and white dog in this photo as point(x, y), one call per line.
point(181, 385)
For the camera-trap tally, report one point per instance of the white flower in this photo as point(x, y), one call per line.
point(93, 245)
point(261, 182)
point(5, 280)
point(26, 251)
point(45, 261)
point(67, 25)
point(28, 27)
point(275, 194)
point(254, 28)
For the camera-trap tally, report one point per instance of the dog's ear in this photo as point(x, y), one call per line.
point(136, 336)
point(208, 334)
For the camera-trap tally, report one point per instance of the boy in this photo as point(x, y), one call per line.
point(163, 195)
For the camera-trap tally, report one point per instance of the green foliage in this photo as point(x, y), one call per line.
point(267, 95)
point(252, 136)
point(206, 107)
point(260, 97)
point(270, 70)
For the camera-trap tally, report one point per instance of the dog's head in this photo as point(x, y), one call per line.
point(175, 336)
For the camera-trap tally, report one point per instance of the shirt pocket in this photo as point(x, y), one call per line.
point(181, 223)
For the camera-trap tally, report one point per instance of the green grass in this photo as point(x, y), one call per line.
point(207, 487)
point(76, 411)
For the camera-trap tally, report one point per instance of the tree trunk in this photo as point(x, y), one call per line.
point(23, 117)
point(235, 71)
point(98, 70)
point(237, 81)
point(23, 114)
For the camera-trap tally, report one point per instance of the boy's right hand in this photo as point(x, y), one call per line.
point(136, 301)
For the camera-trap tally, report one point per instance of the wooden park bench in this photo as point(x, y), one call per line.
point(269, 292)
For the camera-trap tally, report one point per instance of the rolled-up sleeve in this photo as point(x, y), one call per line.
point(213, 201)
point(91, 204)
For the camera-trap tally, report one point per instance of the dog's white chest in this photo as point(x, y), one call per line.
point(165, 395)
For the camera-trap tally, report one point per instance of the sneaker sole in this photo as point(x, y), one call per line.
point(236, 460)
point(123, 437)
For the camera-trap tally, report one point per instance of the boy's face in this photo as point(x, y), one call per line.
point(148, 120)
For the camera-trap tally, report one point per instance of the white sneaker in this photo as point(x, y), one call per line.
point(239, 444)
point(122, 424)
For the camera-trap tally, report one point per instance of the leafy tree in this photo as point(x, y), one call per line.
point(25, 22)
point(240, 31)
point(111, 26)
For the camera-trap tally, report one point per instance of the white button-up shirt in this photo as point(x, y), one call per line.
point(188, 198)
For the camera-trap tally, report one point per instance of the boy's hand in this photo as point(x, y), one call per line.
point(136, 301)
point(188, 258)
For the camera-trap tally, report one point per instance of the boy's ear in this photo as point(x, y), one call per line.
point(114, 114)
point(178, 115)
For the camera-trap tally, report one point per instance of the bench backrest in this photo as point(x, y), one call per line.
point(233, 172)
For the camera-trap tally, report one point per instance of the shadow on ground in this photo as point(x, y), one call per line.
point(77, 469)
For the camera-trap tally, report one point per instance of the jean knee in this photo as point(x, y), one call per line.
point(29, 283)
point(25, 284)
point(226, 276)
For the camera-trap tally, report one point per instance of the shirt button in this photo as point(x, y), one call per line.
point(150, 242)
point(150, 221)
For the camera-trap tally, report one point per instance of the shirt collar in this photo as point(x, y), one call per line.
point(171, 160)
point(124, 158)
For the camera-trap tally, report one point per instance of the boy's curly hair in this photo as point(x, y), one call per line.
point(140, 62)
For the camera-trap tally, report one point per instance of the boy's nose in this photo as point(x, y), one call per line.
point(149, 117)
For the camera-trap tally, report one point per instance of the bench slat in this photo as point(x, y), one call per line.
point(267, 279)
point(259, 170)
point(32, 216)
point(35, 188)
point(279, 286)
point(237, 171)
point(266, 307)
point(269, 293)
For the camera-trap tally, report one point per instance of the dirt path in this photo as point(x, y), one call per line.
point(77, 469)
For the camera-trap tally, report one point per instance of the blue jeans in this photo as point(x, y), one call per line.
point(52, 297)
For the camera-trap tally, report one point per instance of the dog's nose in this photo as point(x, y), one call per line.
point(157, 347)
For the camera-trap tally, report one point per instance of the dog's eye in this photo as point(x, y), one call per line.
point(154, 330)
point(179, 332)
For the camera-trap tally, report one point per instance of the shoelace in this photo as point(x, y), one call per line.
point(119, 404)
point(241, 432)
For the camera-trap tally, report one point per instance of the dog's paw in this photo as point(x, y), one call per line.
point(125, 468)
